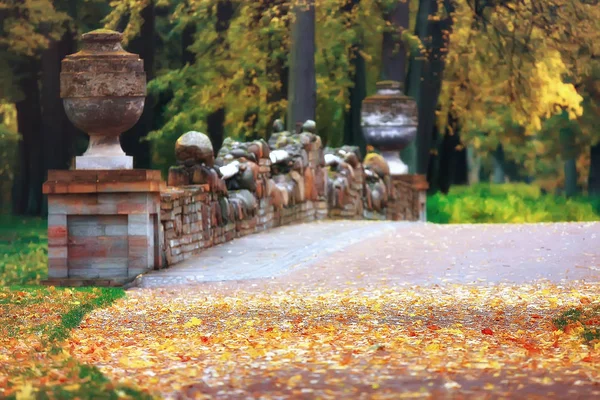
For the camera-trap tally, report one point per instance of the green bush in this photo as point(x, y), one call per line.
point(508, 203)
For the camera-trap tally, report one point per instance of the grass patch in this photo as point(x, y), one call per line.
point(23, 250)
point(584, 320)
point(508, 203)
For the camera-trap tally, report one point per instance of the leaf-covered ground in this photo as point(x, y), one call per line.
point(450, 341)
point(34, 322)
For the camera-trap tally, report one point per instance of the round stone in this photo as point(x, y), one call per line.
point(309, 126)
point(194, 147)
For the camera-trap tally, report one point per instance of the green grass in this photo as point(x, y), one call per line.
point(587, 317)
point(73, 318)
point(508, 203)
point(23, 250)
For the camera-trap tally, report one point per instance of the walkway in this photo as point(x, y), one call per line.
point(361, 310)
point(398, 253)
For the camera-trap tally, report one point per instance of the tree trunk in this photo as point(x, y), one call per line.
point(474, 165)
point(215, 127)
point(27, 189)
point(447, 173)
point(425, 79)
point(302, 93)
point(594, 176)
point(569, 154)
point(499, 174)
point(278, 73)
point(132, 141)
point(58, 133)
point(352, 129)
point(570, 177)
point(393, 52)
point(215, 122)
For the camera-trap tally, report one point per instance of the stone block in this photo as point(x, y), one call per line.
point(138, 246)
point(84, 226)
point(57, 267)
point(100, 247)
point(70, 204)
point(139, 225)
point(57, 252)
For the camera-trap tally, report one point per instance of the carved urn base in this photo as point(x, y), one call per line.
point(108, 162)
point(397, 166)
point(104, 153)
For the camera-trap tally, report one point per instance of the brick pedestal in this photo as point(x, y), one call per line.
point(103, 226)
point(408, 198)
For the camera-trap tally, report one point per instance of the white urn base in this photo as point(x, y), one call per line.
point(397, 166)
point(104, 153)
point(104, 162)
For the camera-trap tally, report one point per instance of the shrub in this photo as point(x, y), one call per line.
point(508, 203)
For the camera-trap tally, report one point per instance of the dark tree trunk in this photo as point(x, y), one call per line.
point(570, 177)
point(425, 79)
point(132, 141)
point(569, 154)
point(393, 52)
point(433, 170)
point(187, 39)
point(594, 177)
point(302, 92)
point(215, 126)
point(27, 189)
point(58, 133)
point(448, 157)
point(461, 174)
point(352, 129)
point(215, 122)
point(499, 165)
point(278, 73)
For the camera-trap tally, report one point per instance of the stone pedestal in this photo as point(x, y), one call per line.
point(408, 198)
point(103, 226)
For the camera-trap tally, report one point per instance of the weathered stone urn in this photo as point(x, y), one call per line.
point(103, 89)
point(389, 123)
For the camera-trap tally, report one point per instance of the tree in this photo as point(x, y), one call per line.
point(143, 44)
point(358, 91)
point(539, 62)
point(426, 68)
point(393, 50)
point(303, 84)
point(27, 30)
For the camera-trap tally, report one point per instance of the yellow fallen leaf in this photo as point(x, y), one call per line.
point(26, 392)
point(135, 362)
point(192, 322)
point(71, 388)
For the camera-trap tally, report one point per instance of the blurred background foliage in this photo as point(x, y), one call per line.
point(507, 91)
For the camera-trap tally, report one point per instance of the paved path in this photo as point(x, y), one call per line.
point(342, 253)
point(360, 310)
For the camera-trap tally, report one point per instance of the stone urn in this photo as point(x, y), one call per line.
point(389, 123)
point(103, 88)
